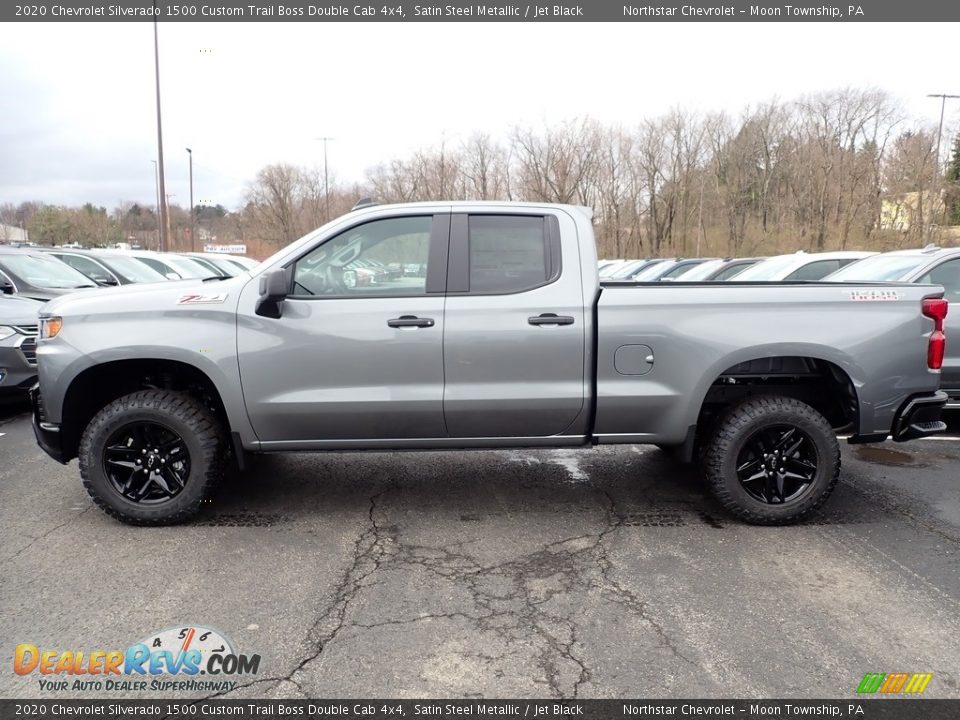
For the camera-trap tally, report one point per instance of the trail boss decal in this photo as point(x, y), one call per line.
point(874, 295)
point(197, 299)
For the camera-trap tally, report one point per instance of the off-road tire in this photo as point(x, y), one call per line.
point(201, 432)
point(738, 425)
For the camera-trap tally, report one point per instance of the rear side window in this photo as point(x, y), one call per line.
point(509, 253)
point(815, 270)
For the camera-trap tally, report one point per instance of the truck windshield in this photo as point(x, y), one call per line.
point(879, 268)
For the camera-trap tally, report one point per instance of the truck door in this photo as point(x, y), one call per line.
point(357, 353)
point(514, 327)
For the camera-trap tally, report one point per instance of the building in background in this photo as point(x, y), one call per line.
point(12, 234)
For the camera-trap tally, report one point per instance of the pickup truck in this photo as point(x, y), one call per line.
point(502, 336)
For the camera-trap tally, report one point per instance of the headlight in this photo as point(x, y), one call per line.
point(6, 332)
point(50, 327)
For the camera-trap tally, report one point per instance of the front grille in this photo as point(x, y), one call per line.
point(27, 329)
point(28, 348)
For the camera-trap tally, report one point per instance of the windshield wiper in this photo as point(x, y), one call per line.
point(216, 277)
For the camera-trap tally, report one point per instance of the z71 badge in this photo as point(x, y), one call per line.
point(875, 295)
point(197, 299)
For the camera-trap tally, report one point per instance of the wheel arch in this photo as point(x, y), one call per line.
point(823, 378)
point(95, 387)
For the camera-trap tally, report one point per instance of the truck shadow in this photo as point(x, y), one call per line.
point(625, 486)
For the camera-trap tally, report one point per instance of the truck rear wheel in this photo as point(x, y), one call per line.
point(152, 457)
point(772, 460)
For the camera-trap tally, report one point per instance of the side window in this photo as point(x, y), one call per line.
point(946, 274)
point(815, 270)
point(384, 257)
point(88, 267)
point(509, 253)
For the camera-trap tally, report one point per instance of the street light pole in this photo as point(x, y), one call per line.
point(943, 106)
point(156, 181)
point(326, 177)
point(193, 218)
point(164, 215)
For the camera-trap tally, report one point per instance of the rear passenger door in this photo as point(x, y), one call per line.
point(514, 327)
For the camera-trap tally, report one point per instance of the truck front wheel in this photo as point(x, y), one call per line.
point(152, 457)
point(772, 460)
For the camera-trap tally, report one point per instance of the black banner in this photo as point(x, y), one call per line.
point(866, 709)
point(406, 11)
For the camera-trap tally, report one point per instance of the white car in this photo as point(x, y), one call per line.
point(799, 266)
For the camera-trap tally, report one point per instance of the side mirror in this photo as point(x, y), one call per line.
point(6, 287)
point(105, 281)
point(274, 287)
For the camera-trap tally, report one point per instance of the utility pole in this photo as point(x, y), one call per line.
point(326, 177)
point(156, 181)
point(943, 106)
point(193, 217)
point(164, 214)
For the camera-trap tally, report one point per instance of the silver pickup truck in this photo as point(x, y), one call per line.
point(478, 325)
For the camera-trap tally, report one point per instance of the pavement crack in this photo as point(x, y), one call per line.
point(45, 535)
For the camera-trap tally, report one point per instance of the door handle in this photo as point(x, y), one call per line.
point(550, 319)
point(410, 321)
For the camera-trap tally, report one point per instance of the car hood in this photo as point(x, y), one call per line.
point(191, 293)
point(18, 310)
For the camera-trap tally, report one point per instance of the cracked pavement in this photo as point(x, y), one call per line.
point(515, 573)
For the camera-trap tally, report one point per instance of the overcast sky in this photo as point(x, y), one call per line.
point(77, 113)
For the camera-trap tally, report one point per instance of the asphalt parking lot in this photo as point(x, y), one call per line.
point(603, 573)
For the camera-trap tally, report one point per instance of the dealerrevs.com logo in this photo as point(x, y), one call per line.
point(186, 658)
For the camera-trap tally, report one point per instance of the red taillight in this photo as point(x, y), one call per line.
point(935, 348)
point(936, 310)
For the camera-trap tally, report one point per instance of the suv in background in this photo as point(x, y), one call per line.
point(38, 275)
point(18, 344)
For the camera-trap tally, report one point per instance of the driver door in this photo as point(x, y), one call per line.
point(357, 354)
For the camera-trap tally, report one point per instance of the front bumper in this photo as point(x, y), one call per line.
point(920, 417)
point(16, 372)
point(47, 433)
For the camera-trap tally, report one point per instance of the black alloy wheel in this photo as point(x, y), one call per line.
point(777, 464)
point(146, 463)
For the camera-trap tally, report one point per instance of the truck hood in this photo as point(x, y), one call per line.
point(158, 296)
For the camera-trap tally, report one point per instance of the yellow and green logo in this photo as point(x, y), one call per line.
point(894, 683)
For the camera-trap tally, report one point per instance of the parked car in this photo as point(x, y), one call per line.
point(601, 264)
point(171, 266)
point(18, 344)
point(930, 266)
point(669, 270)
point(35, 274)
point(213, 269)
point(799, 266)
point(107, 267)
point(226, 264)
point(244, 262)
point(716, 270)
point(630, 268)
point(507, 341)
